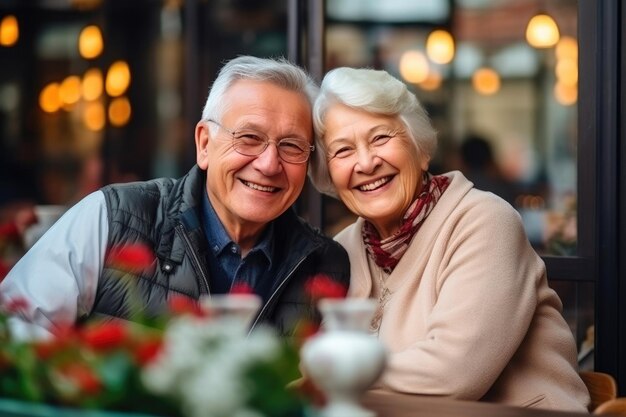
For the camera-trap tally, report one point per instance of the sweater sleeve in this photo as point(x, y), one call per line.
point(484, 292)
point(58, 277)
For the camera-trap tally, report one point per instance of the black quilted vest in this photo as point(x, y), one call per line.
point(164, 215)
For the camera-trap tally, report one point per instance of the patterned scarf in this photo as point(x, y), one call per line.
point(386, 253)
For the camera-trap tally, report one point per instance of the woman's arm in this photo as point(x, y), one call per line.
point(485, 296)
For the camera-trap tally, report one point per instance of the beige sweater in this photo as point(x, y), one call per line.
point(471, 315)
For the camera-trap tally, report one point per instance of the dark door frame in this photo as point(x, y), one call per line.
point(601, 186)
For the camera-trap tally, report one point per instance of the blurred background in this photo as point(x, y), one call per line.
point(100, 91)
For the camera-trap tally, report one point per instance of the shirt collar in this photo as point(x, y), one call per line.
point(219, 239)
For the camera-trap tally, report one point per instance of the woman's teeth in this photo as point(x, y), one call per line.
point(374, 185)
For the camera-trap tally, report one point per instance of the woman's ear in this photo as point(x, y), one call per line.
point(425, 163)
point(202, 143)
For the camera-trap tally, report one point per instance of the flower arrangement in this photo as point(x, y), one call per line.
point(11, 242)
point(189, 363)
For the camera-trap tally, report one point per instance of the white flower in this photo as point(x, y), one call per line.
point(204, 362)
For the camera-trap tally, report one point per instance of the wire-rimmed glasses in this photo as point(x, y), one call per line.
point(250, 142)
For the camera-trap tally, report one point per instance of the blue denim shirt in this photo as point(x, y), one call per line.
point(232, 268)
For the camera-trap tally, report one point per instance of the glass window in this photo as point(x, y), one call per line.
point(505, 109)
point(95, 92)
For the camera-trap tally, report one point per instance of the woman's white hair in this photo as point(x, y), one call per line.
point(375, 92)
point(277, 71)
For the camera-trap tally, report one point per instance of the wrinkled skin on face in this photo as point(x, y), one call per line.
point(247, 192)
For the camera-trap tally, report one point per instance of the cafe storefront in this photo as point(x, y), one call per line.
point(101, 91)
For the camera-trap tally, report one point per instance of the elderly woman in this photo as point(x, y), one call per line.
point(464, 306)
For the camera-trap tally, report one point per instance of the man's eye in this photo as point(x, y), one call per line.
point(293, 145)
point(250, 137)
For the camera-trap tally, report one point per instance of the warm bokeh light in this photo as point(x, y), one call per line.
point(9, 31)
point(567, 47)
point(440, 46)
point(93, 84)
point(94, 116)
point(69, 91)
point(486, 81)
point(566, 71)
point(542, 31)
point(432, 81)
point(49, 98)
point(119, 111)
point(86, 4)
point(413, 66)
point(565, 95)
point(117, 79)
point(90, 43)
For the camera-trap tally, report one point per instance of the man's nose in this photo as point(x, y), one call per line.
point(269, 162)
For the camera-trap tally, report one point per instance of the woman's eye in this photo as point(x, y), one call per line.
point(381, 139)
point(342, 152)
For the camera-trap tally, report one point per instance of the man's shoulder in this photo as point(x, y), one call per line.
point(139, 190)
point(153, 186)
point(154, 191)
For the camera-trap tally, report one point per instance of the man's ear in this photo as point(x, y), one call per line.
point(202, 143)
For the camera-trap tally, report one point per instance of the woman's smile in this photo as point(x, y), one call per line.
point(374, 185)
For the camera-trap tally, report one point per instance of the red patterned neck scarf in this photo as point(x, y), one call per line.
point(387, 252)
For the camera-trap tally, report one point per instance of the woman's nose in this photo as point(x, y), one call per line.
point(367, 160)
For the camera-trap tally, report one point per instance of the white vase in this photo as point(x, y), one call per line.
point(344, 360)
point(240, 308)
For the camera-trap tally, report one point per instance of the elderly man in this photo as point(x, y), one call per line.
point(227, 222)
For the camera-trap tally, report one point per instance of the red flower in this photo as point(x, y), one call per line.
point(322, 286)
point(65, 332)
point(15, 305)
point(9, 230)
point(83, 377)
point(241, 288)
point(304, 330)
point(179, 305)
point(104, 336)
point(147, 350)
point(132, 257)
point(47, 349)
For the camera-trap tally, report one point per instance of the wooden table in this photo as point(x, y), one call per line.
point(387, 404)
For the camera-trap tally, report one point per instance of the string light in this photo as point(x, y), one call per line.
point(119, 111)
point(542, 31)
point(90, 42)
point(117, 79)
point(92, 84)
point(94, 116)
point(413, 66)
point(9, 31)
point(486, 81)
point(49, 98)
point(440, 46)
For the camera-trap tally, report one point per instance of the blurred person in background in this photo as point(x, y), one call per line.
point(465, 309)
point(228, 222)
point(480, 166)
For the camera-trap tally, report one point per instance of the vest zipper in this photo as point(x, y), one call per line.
point(194, 257)
point(269, 301)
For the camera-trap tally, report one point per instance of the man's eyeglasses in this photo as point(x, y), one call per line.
point(250, 142)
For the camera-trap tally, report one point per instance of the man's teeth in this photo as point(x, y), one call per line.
point(259, 187)
point(374, 185)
